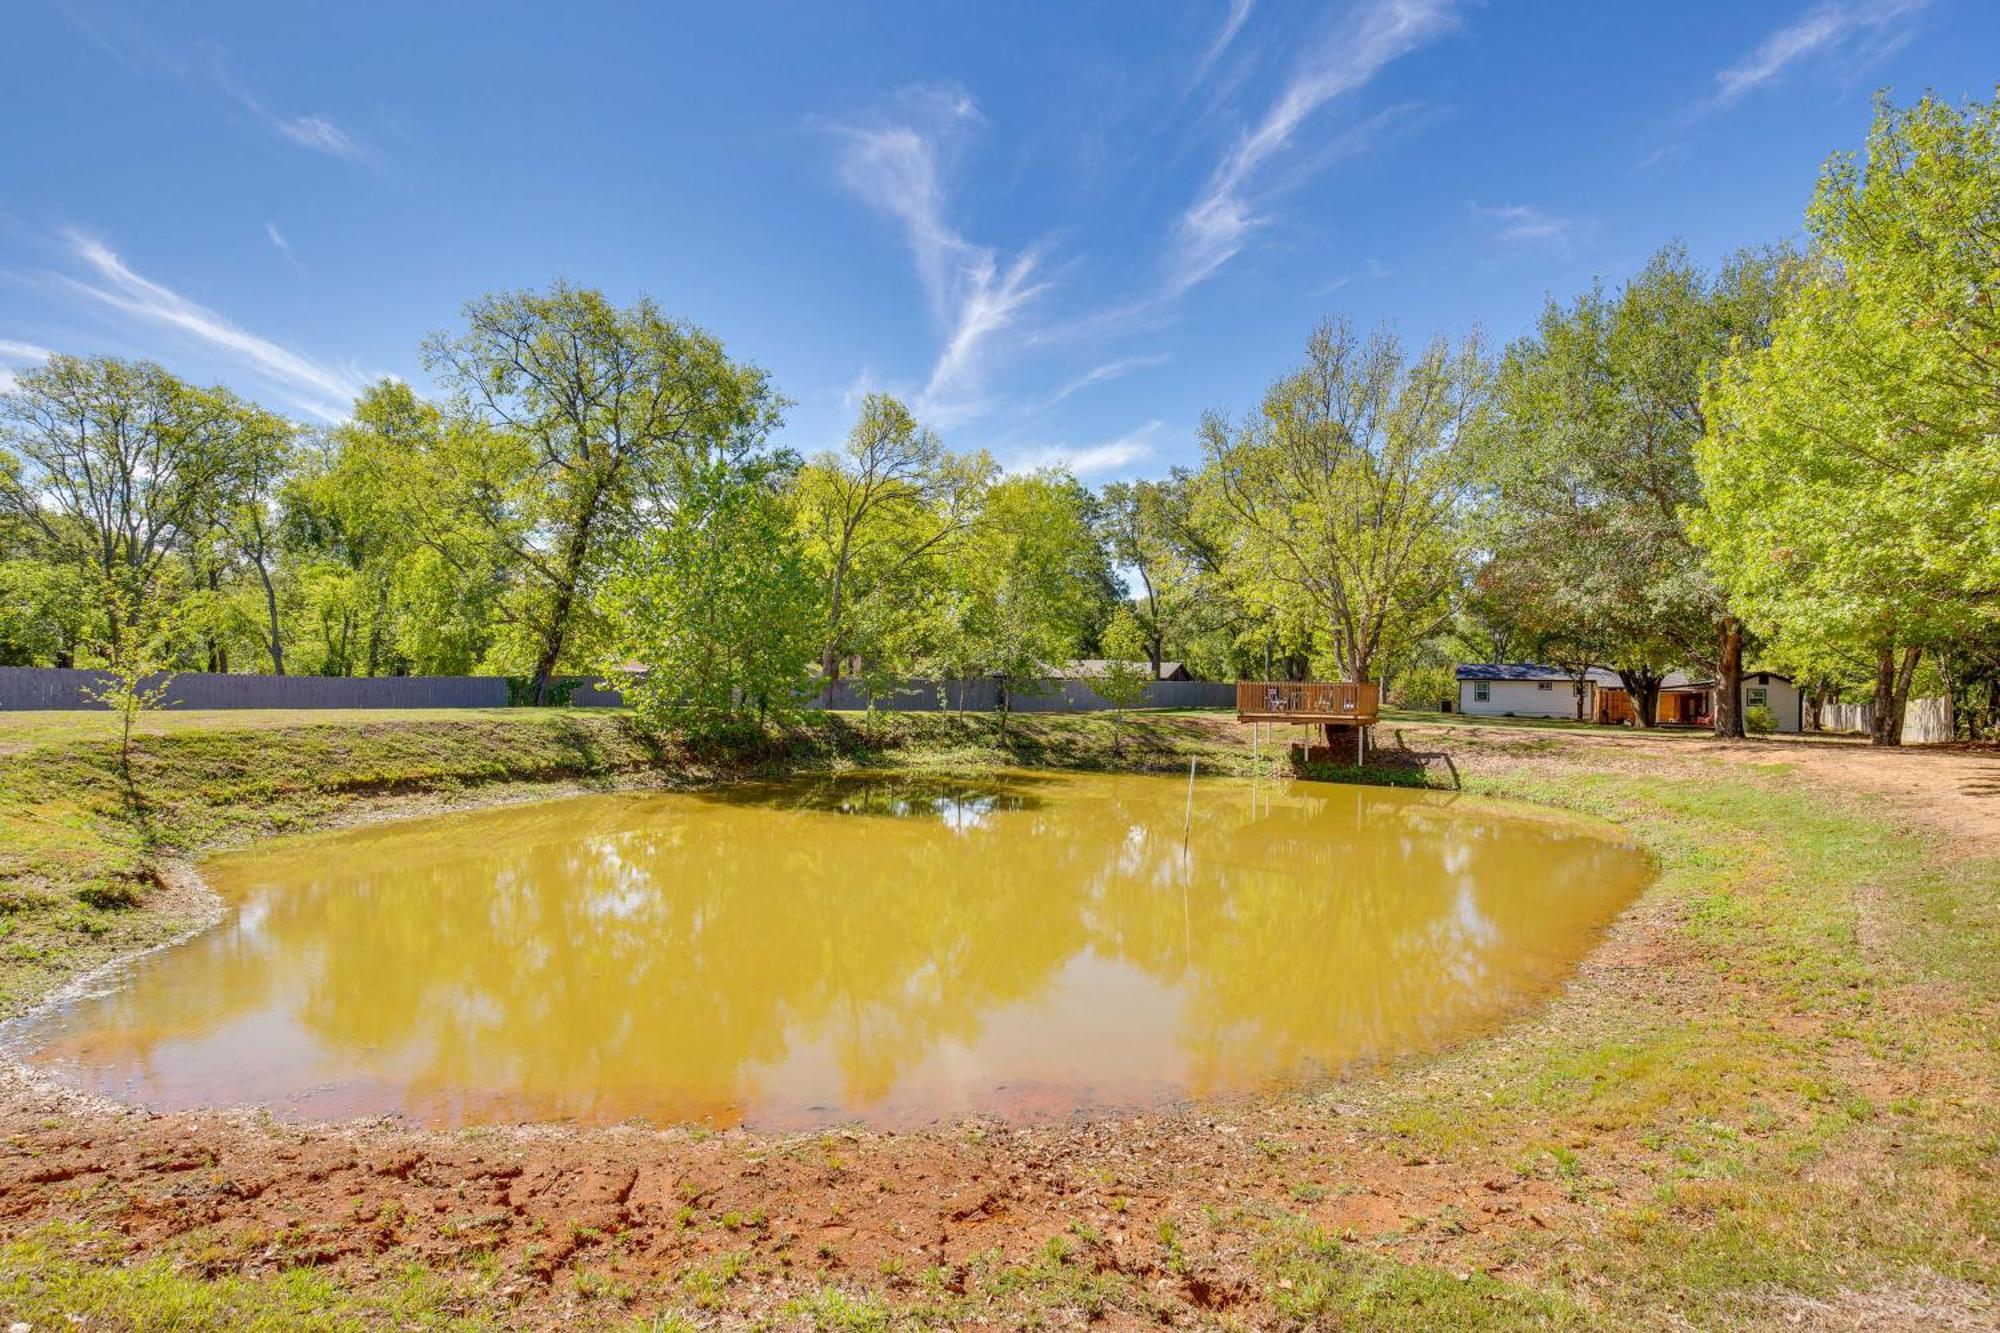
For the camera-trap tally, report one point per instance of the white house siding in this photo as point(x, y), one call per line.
point(1525, 698)
point(1780, 696)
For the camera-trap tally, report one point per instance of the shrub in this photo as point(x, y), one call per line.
point(1759, 721)
point(110, 893)
point(1424, 687)
point(521, 691)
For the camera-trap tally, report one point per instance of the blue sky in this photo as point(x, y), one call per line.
point(1061, 231)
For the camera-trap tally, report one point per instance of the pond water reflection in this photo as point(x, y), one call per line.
point(885, 949)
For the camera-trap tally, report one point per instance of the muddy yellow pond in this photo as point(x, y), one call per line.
point(891, 950)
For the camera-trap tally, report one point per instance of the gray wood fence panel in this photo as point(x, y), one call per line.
point(591, 694)
point(38, 688)
point(1925, 721)
point(983, 696)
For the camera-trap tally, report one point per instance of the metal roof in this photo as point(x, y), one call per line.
point(1681, 680)
point(1083, 668)
point(1530, 671)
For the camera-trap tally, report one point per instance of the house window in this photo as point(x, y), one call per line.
point(1544, 685)
point(1482, 692)
point(1755, 697)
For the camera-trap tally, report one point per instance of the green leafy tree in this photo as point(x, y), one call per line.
point(1852, 467)
point(1126, 674)
point(136, 654)
point(118, 469)
point(393, 572)
point(248, 519)
point(877, 516)
point(716, 601)
point(1150, 527)
point(46, 612)
point(1589, 459)
point(1345, 493)
point(1025, 589)
point(573, 423)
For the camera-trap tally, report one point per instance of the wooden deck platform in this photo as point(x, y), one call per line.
point(1308, 702)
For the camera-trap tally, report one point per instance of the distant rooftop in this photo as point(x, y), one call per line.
point(1530, 671)
point(1086, 667)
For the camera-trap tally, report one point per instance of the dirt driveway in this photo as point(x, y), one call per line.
point(1955, 788)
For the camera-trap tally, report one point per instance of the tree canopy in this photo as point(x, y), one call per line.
point(1853, 465)
point(1346, 492)
point(1793, 454)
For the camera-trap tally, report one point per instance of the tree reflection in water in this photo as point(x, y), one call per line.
point(891, 949)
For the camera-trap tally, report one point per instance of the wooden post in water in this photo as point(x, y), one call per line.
point(1187, 824)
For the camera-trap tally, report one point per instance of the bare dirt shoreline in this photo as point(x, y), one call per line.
point(769, 1216)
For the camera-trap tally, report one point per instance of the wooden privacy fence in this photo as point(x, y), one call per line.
point(58, 687)
point(1925, 721)
point(41, 688)
point(1052, 696)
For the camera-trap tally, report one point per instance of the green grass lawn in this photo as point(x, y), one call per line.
point(26, 729)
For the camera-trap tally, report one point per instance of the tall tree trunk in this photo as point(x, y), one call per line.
point(1578, 679)
point(375, 629)
point(1642, 685)
point(1892, 693)
point(1156, 639)
point(217, 656)
point(551, 650)
point(829, 657)
point(1884, 727)
point(271, 609)
point(1729, 680)
point(558, 626)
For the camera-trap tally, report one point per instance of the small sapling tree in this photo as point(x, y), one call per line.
point(1127, 672)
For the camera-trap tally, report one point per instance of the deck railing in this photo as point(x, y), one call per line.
point(1307, 700)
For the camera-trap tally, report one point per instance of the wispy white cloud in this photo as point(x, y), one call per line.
point(208, 64)
point(1094, 459)
point(1844, 34)
point(280, 244)
point(899, 169)
point(1217, 224)
point(1373, 270)
point(319, 134)
point(1525, 224)
point(316, 132)
point(1232, 23)
point(1823, 30)
point(308, 384)
point(1110, 370)
point(991, 302)
point(15, 355)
